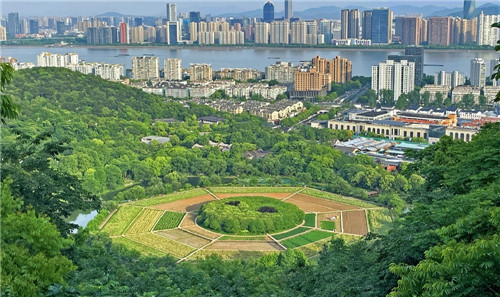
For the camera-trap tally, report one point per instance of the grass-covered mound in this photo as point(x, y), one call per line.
point(254, 215)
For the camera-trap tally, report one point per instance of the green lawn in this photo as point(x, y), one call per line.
point(170, 197)
point(306, 238)
point(169, 220)
point(337, 198)
point(327, 225)
point(121, 219)
point(291, 233)
point(310, 220)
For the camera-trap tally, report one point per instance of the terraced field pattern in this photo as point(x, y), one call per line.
point(167, 224)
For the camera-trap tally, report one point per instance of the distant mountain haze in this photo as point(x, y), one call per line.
point(302, 9)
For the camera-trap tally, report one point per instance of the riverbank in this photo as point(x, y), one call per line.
point(239, 47)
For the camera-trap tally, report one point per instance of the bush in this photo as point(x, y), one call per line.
point(257, 215)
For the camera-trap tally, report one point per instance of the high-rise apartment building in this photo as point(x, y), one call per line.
point(469, 9)
point(310, 79)
point(172, 69)
point(56, 60)
point(200, 72)
point(477, 72)
point(268, 12)
point(288, 9)
point(171, 12)
point(367, 24)
point(450, 79)
point(408, 29)
point(413, 54)
point(395, 76)
point(3, 33)
point(102, 35)
point(486, 35)
point(13, 25)
point(137, 34)
point(439, 30)
point(281, 71)
point(280, 32)
point(262, 33)
point(298, 33)
point(145, 67)
point(124, 33)
point(381, 26)
point(463, 31)
point(339, 69)
point(349, 24)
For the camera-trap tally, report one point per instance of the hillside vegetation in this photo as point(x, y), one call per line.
point(66, 148)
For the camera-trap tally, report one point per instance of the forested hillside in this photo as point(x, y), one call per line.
point(78, 138)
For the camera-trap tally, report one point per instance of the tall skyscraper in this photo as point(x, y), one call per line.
point(13, 25)
point(288, 9)
point(268, 12)
point(279, 33)
point(194, 16)
point(478, 72)
point(349, 26)
point(469, 8)
point(367, 24)
point(171, 12)
point(174, 32)
point(34, 27)
point(395, 76)
point(262, 33)
point(381, 26)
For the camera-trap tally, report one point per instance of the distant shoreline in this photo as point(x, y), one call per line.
point(226, 48)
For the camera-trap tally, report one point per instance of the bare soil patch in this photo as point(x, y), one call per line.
point(186, 205)
point(355, 222)
point(308, 207)
point(185, 238)
point(269, 195)
point(244, 246)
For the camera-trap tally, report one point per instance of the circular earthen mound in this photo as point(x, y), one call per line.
point(249, 215)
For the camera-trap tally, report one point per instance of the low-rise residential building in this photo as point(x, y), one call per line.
point(491, 92)
point(459, 91)
point(434, 89)
point(149, 139)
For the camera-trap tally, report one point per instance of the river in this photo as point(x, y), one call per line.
point(257, 58)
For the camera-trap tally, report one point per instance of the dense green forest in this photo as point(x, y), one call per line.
point(77, 140)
